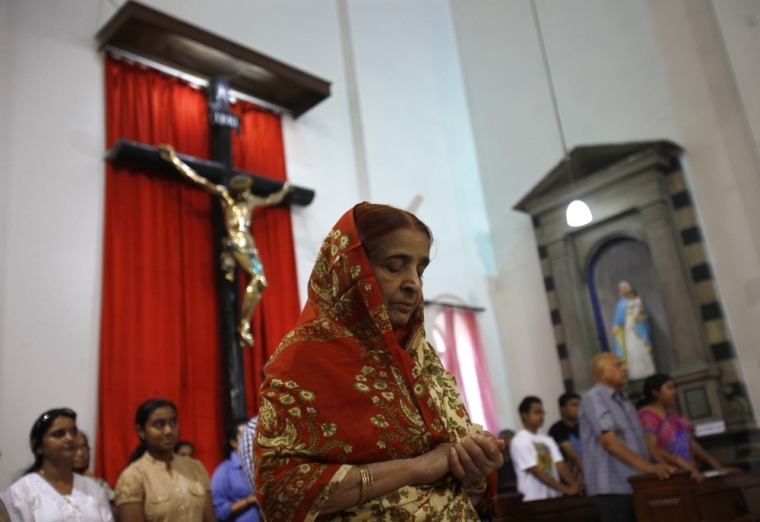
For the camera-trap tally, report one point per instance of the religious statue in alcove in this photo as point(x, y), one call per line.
point(238, 204)
point(631, 333)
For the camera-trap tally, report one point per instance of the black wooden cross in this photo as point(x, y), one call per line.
point(219, 171)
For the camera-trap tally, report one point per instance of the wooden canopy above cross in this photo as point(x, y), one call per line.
point(144, 31)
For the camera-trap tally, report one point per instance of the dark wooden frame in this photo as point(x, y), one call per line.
point(144, 31)
point(138, 155)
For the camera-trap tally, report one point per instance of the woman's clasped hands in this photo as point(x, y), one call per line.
point(469, 461)
point(476, 457)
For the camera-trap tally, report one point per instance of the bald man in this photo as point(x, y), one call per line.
point(612, 440)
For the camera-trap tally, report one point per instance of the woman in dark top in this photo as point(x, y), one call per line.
point(230, 491)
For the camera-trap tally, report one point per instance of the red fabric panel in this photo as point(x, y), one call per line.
point(159, 325)
point(159, 329)
point(260, 149)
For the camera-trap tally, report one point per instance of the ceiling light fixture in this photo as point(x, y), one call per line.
point(578, 213)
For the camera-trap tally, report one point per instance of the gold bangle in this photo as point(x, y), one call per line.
point(365, 482)
point(366, 476)
point(371, 481)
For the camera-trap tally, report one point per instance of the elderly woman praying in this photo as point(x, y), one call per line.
point(359, 420)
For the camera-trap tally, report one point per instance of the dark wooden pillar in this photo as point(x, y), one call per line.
point(228, 292)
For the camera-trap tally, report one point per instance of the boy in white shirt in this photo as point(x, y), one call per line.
point(537, 459)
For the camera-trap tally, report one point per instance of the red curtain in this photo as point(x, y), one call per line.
point(159, 325)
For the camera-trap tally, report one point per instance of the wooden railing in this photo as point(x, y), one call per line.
point(726, 498)
point(511, 508)
point(679, 499)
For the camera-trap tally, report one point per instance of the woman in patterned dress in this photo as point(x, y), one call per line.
point(356, 384)
point(668, 435)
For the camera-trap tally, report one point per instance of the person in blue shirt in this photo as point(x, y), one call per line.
point(230, 491)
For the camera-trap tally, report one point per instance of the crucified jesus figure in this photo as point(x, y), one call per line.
point(238, 204)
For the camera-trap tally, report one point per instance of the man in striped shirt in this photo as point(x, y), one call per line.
point(612, 440)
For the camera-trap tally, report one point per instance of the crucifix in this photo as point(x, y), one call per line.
point(143, 32)
point(239, 247)
point(237, 193)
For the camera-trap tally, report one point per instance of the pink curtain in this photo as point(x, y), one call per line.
point(481, 368)
point(451, 357)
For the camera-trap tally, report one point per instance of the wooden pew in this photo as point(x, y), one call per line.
point(726, 498)
point(679, 499)
point(511, 508)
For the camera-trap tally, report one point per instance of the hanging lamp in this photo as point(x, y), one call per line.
point(578, 213)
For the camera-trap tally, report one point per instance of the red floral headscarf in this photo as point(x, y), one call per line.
point(344, 388)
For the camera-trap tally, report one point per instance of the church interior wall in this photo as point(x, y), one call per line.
point(51, 301)
point(410, 85)
point(4, 185)
point(53, 138)
point(4, 179)
point(622, 72)
point(722, 162)
point(455, 108)
point(740, 28)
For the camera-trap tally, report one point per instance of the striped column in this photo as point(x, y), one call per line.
point(712, 313)
point(551, 296)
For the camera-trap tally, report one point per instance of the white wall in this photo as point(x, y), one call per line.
point(4, 167)
point(51, 191)
point(740, 28)
point(419, 141)
point(739, 23)
point(722, 157)
point(52, 139)
point(623, 71)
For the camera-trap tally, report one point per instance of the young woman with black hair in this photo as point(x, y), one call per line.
point(82, 464)
point(159, 486)
point(185, 448)
point(668, 435)
point(49, 489)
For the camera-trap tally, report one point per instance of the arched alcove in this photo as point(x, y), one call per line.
point(622, 258)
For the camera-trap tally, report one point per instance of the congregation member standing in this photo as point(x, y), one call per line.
point(566, 433)
point(159, 486)
point(185, 448)
point(612, 442)
point(506, 473)
point(4, 516)
point(50, 490)
point(537, 459)
point(668, 435)
point(245, 450)
point(232, 495)
point(82, 465)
